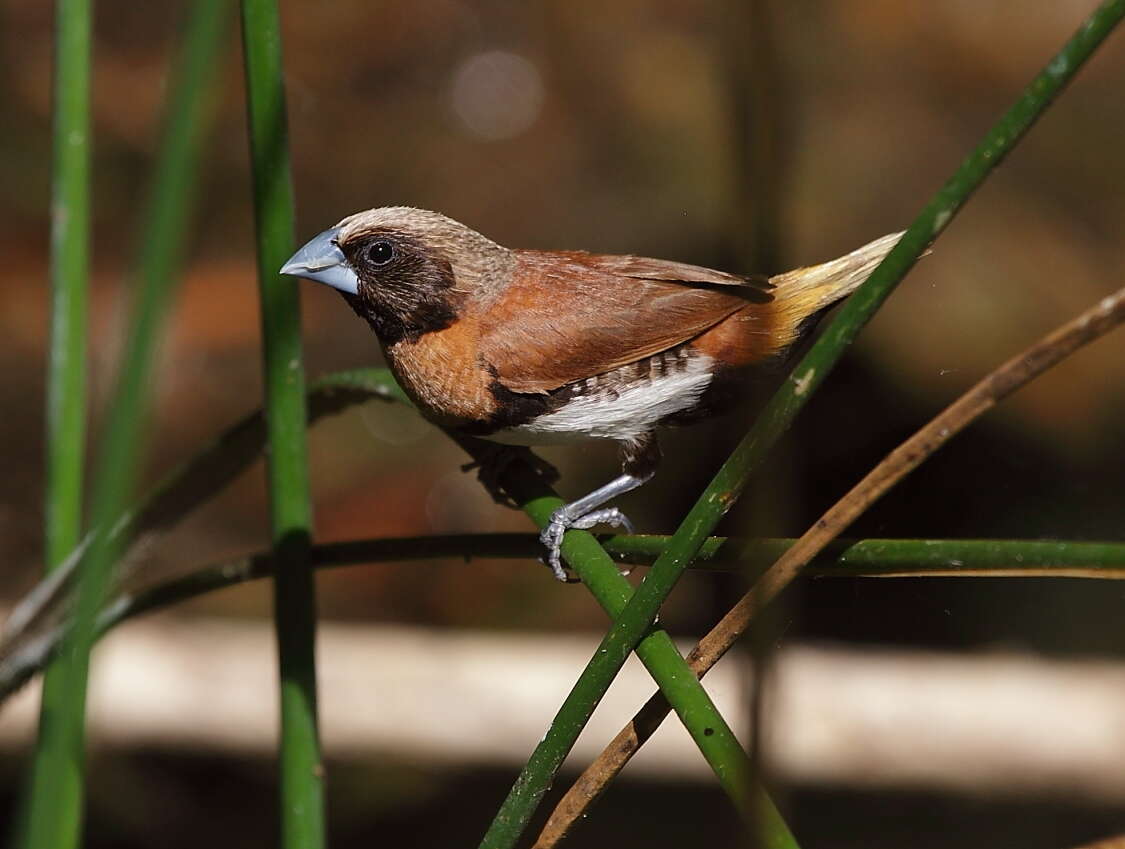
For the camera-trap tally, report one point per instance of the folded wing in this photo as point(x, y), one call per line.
point(582, 315)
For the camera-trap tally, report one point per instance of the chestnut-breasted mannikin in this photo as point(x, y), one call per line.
point(535, 347)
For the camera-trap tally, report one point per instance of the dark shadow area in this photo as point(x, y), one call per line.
point(181, 801)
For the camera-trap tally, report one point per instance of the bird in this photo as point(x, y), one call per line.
point(534, 347)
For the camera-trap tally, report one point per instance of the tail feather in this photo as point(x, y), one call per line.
point(804, 292)
point(817, 286)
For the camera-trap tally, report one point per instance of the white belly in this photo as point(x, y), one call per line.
point(622, 414)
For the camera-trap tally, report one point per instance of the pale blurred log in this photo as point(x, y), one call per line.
point(990, 723)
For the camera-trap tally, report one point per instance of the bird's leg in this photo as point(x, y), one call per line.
point(492, 466)
point(640, 458)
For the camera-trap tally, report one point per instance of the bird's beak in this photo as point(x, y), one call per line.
point(322, 260)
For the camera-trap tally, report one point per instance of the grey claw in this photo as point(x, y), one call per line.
point(607, 516)
point(561, 521)
point(552, 537)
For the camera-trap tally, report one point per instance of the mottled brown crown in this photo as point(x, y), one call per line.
point(476, 261)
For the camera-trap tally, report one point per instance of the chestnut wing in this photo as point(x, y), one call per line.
point(568, 316)
point(756, 286)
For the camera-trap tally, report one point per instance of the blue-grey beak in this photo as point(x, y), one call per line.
point(322, 260)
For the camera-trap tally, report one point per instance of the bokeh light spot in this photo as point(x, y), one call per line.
point(497, 94)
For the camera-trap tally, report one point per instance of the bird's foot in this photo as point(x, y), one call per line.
point(492, 467)
point(562, 521)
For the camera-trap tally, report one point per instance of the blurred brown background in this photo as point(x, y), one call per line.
point(756, 136)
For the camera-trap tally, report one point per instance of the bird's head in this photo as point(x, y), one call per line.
point(407, 271)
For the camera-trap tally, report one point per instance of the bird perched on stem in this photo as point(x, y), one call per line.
point(535, 347)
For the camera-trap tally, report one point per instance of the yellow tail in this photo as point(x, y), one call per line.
point(803, 292)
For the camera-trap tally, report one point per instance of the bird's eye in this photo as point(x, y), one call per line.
point(380, 252)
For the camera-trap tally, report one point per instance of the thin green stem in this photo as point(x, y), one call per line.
point(302, 790)
point(632, 625)
point(844, 558)
point(807, 376)
point(868, 558)
point(70, 234)
point(53, 802)
point(657, 652)
point(195, 482)
point(55, 815)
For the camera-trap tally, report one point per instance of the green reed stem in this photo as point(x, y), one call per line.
point(53, 802)
point(54, 813)
point(808, 374)
point(844, 558)
point(302, 790)
point(867, 558)
point(698, 713)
